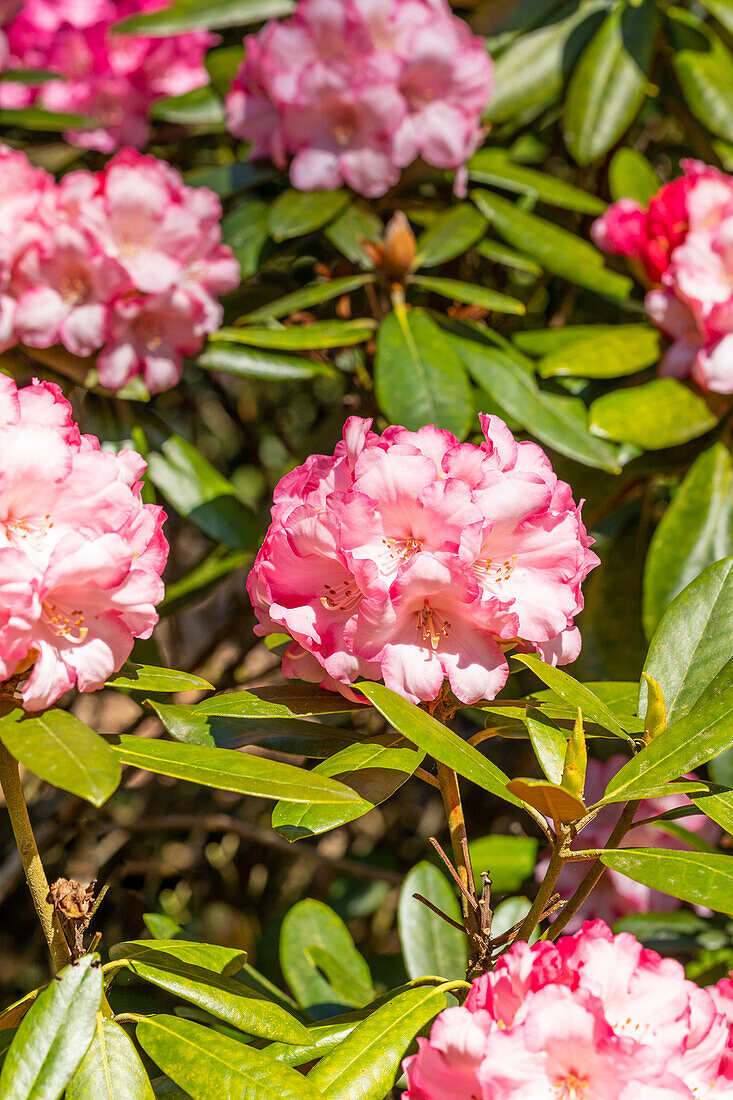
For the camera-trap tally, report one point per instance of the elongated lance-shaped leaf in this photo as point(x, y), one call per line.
point(574, 693)
point(701, 878)
point(111, 1068)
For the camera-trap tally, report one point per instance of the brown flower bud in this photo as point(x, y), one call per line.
point(395, 254)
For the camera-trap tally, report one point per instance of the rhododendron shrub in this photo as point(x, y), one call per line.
point(683, 242)
point(415, 558)
point(110, 78)
point(126, 263)
point(81, 556)
point(353, 91)
point(591, 1017)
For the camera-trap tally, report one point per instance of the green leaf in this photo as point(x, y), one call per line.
point(631, 176)
point(228, 770)
point(549, 744)
point(319, 334)
point(207, 1064)
point(220, 960)
point(695, 531)
point(529, 75)
point(470, 293)
point(718, 807)
point(309, 296)
point(624, 350)
point(547, 341)
point(225, 998)
point(374, 771)
point(559, 422)
point(418, 377)
point(501, 254)
point(658, 414)
point(509, 860)
point(199, 492)
point(292, 735)
point(189, 15)
point(36, 118)
point(59, 748)
point(294, 699)
point(230, 179)
point(704, 732)
point(111, 1068)
point(365, 1066)
point(550, 799)
point(222, 64)
point(245, 231)
point(451, 234)
point(722, 10)
point(494, 166)
point(255, 363)
point(435, 738)
point(200, 107)
point(322, 1040)
point(703, 65)
point(148, 678)
point(54, 1034)
point(557, 250)
point(608, 85)
point(346, 232)
point(692, 642)
point(573, 693)
point(312, 924)
point(295, 213)
point(429, 945)
point(698, 877)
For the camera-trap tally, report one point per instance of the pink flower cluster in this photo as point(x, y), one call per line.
point(81, 556)
point(126, 262)
point(412, 557)
point(616, 895)
point(355, 90)
point(111, 78)
point(593, 1017)
point(684, 240)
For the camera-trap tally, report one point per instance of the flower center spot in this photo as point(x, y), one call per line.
point(341, 597)
point(430, 627)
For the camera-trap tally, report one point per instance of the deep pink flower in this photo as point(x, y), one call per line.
point(417, 558)
point(81, 556)
point(355, 90)
point(595, 1016)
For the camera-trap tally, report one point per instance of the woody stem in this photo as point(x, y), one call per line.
point(31, 860)
point(449, 789)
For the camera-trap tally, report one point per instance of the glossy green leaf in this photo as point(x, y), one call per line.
point(198, 491)
point(207, 1064)
point(54, 1034)
point(624, 350)
point(111, 1068)
point(557, 250)
point(695, 531)
point(429, 944)
point(435, 738)
point(222, 64)
point(703, 65)
point(718, 807)
point(697, 877)
point(559, 422)
point(631, 176)
point(471, 294)
point(529, 75)
point(349, 989)
point(662, 413)
point(256, 363)
point(549, 744)
point(323, 1038)
point(148, 678)
point(189, 15)
point(723, 12)
point(365, 1066)
point(347, 232)
point(418, 377)
point(501, 253)
point(692, 642)
point(509, 861)
point(319, 334)
point(201, 107)
point(450, 234)
point(289, 700)
point(548, 341)
point(311, 924)
point(374, 771)
point(231, 179)
point(59, 748)
point(573, 693)
point(290, 735)
point(494, 166)
point(210, 956)
point(36, 118)
point(308, 296)
point(244, 229)
point(295, 213)
point(227, 770)
point(609, 82)
point(705, 731)
point(552, 800)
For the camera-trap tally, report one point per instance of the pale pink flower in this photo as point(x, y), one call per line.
point(354, 90)
point(81, 555)
point(595, 1016)
point(149, 336)
point(378, 560)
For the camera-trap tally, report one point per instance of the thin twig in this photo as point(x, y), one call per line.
point(426, 777)
point(440, 913)
point(454, 874)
